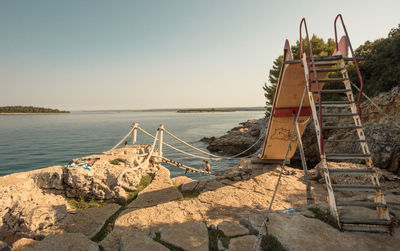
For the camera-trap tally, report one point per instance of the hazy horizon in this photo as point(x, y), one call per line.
point(102, 55)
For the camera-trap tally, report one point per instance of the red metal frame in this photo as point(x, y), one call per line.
point(310, 60)
point(354, 60)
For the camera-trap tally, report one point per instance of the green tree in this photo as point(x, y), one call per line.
point(319, 47)
point(380, 67)
point(273, 79)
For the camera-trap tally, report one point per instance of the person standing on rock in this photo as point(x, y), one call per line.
point(206, 165)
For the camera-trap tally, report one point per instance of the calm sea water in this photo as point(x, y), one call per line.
point(29, 142)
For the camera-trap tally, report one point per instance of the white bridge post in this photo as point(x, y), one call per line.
point(134, 132)
point(160, 139)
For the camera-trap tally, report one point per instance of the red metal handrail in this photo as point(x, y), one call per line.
point(310, 60)
point(354, 60)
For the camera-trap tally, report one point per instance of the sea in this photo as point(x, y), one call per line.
point(29, 142)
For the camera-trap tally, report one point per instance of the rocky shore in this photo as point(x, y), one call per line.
point(119, 201)
point(224, 213)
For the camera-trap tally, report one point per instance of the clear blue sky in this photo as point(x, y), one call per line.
point(81, 55)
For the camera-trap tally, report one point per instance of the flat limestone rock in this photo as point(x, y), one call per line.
point(161, 190)
point(131, 241)
point(242, 243)
point(156, 217)
point(180, 180)
point(189, 236)
point(23, 243)
point(88, 221)
point(297, 232)
point(232, 229)
point(65, 242)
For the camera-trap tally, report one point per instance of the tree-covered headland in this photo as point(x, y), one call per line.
point(29, 109)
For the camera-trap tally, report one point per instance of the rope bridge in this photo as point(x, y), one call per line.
point(158, 138)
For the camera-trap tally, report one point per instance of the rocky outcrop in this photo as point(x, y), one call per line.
point(33, 204)
point(239, 138)
point(105, 179)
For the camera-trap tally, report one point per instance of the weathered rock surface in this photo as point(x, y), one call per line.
point(239, 138)
point(132, 241)
point(232, 229)
point(242, 243)
point(189, 236)
point(25, 209)
point(65, 242)
point(297, 232)
point(160, 190)
point(88, 221)
point(103, 180)
point(33, 205)
point(23, 244)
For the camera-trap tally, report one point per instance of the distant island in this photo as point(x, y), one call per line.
point(28, 110)
point(230, 109)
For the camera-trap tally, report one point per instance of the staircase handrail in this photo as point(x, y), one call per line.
point(310, 60)
point(354, 60)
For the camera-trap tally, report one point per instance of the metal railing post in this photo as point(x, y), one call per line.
point(160, 141)
point(134, 132)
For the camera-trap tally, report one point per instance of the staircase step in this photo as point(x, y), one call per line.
point(351, 171)
point(365, 221)
point(336, 102)
point(328, 69)
point(342, 127)
point(327, 58)
point(322, 63)
point(345, 140)
point(369, 204)
point(329, 80)
point(361, 228)
point(345, 187)
point(332, 91)
point(339, 114)
point(344, 156)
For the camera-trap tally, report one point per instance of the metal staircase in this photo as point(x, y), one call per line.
point(325, 104)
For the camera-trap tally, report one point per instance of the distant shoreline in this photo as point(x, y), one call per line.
point(200, 110)
point(31, 113)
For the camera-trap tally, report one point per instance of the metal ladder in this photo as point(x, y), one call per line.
point(320, 110)
point(320, 107)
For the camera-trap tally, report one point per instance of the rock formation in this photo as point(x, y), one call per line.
point(239, 138)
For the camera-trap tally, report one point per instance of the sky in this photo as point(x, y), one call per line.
point(95, 54)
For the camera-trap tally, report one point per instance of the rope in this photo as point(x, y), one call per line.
point(184, 167)
point(183, 142)
point(374, 104)
point(261, 231)
point(195, 148)
point(122, 140)
point(172, 147)
point(144, 162)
